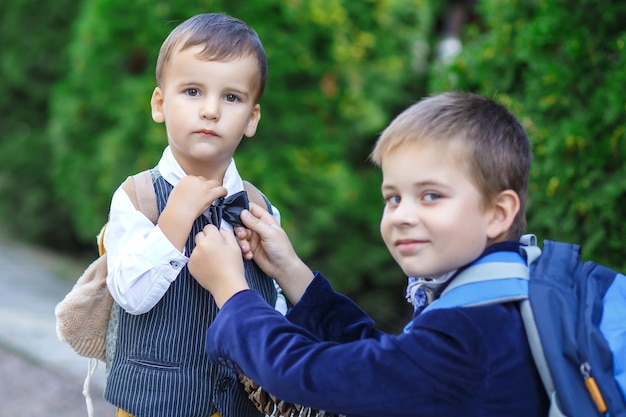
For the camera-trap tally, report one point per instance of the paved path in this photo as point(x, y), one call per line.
point(39, 375)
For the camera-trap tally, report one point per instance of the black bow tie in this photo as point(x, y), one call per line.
point(228, 208)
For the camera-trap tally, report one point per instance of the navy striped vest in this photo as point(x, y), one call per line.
point(160, 367)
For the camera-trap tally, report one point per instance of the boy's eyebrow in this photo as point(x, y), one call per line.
point(238, 91)
point(230, 89)
point(425, 183)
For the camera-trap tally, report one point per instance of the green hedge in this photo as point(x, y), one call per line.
point(336, 77)
point(560, 66)
point(33, 35)
point(75, 116)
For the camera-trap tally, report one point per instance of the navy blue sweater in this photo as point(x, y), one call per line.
point(472, 361)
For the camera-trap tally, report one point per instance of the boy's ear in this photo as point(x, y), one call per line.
point(156, 104)
point(255, 116)
point(504, 209)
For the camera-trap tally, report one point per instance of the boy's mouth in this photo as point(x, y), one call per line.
point(207, 132)
point(408, 246)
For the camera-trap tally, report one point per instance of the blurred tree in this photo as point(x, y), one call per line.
point(339, 71)
point(561, 69)
point(32, 37)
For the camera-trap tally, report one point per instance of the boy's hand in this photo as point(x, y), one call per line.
point(193, 195)
point(243, 239)
point(268, 244)
point(188, 200)
point(216, 264)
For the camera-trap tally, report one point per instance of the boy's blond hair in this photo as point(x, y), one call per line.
point(495, 146)
point(224, 38)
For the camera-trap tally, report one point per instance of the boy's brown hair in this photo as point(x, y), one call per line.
point(224, 37)
point(495, 146)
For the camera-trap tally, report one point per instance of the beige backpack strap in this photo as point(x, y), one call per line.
point(140, 190)
point(255, 196)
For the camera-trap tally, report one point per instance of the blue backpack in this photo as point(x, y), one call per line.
point(575, 318)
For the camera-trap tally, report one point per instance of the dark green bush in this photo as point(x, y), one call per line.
point(336, 78)
point(560, 66)
point(33, 35)
point(76, 120)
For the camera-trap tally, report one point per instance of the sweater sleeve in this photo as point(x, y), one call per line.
point(331, 316)
point(368, 376)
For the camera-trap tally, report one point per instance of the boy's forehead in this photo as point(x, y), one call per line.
point(453, 153)
point(201, 53)
point(449, 147)
point(183, 60)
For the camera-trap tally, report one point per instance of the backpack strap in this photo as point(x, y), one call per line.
point(550, 252)
point(256, 196)
point(558, 260)
point(140, 190)
point(539, 356)
point(499, 277)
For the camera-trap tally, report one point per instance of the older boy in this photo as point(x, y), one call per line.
point(455, 171)
point(211, 73)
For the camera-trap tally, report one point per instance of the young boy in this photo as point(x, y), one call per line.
point(455, 171)
point(211, 73)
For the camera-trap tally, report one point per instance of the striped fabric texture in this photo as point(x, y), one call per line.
point(159, 367)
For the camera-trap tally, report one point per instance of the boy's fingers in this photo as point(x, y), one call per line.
point(229, 237)
point(206, 232)
point(216, 236)
point(262, 215)
point(242, 233)
point(257, 219)
point(208, 229)
point(198, 238)
point(260, 212)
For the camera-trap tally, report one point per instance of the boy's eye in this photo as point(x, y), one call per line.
point(193, 92)
point(431, 196)
point(392, 199)
point(231, 98)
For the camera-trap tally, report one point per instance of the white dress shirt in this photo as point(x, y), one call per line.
point(141, 261)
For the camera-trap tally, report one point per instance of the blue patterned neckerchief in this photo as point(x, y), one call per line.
point(422, 291)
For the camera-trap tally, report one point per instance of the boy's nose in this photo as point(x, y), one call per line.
point(210, 109)
point(406, 213)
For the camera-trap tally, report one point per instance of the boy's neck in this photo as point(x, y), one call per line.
point(206, 170)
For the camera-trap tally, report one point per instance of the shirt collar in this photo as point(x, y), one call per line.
point(171, 170)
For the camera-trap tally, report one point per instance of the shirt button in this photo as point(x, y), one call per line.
point(223, 384)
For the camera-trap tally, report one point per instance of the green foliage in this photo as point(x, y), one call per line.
point(561, 69)
point(32, 35)
point(335, 81)
point(75, 114)
point(101, 129)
